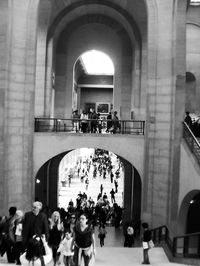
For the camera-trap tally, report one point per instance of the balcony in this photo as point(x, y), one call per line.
point(131, 127)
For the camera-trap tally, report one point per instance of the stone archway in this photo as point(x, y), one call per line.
point(47, 189)
point(182, 222)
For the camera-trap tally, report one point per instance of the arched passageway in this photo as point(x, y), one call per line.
point(189, 220)
point(47, 186)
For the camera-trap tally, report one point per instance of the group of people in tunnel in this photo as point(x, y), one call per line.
point(92, 122)
point(98, 165)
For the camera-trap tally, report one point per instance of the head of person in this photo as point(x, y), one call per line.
point(83, 219)
point(19, 215)
point(145, 225)
point(34, 248)
point(68, 233)
point(36, 207)
point(55, 216)
point(12, 210)
point(73, 218)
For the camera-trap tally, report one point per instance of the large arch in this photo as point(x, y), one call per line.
point(117, 12)
point(47, 190)
point(183, 212)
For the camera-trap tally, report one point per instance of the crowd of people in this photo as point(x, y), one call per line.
point(98, 167)
point(37, 237)
point(93, 122)
point(69, 232)
point(42, 235)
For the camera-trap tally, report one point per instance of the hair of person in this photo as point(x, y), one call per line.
point(12, 210)
point(84, 214)
point(145, 225)
point(34, 249)
point(67, 230)
point(19, 213)
point(38, 204)
point(55, 213)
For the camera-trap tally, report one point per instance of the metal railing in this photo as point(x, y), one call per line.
point(185, 246)
point(97, 126)
point(192, 142)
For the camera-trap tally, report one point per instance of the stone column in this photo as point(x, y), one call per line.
point(18, 117)
point(161, 115)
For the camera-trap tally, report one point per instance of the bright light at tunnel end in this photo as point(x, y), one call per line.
point(97, 63)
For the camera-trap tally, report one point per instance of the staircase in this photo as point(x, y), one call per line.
point(114, 254)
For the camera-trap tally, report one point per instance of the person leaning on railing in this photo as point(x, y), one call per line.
point(84, 122)
point(75, 121)
point(115, 123)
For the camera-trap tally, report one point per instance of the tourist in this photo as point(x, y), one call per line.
point(83, 241)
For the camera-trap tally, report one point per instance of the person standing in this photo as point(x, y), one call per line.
point(35, 223)
point(83, 241)
point(115, 122)
point(84, 122)
point(188, 119)
point(146, 239)
point(109, 122)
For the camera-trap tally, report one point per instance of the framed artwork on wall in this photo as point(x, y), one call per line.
point(102, 107)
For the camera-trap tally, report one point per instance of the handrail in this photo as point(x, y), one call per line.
point(185, 246)
point(45, 124)
point(192, 142)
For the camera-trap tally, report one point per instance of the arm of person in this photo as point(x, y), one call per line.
point(48, 251)
point(94, 243)
point(72, 243)
point(61, 246)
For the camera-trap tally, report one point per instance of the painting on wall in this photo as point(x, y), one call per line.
point(102, 108)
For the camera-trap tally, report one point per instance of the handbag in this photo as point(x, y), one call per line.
point(151, 244)
point(145, 245)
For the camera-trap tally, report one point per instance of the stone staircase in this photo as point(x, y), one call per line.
point(114, 254)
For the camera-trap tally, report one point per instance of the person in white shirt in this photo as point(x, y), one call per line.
point(65, 248)
point(34, 252)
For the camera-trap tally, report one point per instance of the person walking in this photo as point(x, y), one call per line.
point(55, 233)
point(35, 223)
point(65, 248)
point(102, 234)
point(18, 235)
point(83, 241)
point(34, 252)
point(9, 235)
point(112, 194)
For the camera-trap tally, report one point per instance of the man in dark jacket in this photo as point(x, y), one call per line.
point(35, 223)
